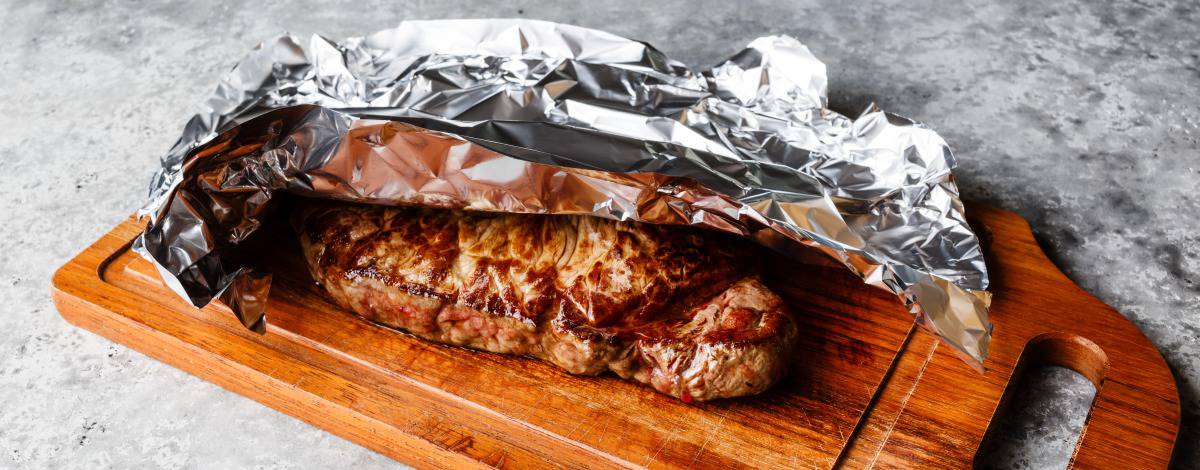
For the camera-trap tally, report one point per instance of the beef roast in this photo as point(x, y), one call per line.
point(680, 309)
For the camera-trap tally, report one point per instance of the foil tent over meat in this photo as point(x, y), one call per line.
point(536, 117)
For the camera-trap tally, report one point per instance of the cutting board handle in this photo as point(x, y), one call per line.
point(1043, 318)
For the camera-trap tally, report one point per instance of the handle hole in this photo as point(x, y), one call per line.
point(1045, 405)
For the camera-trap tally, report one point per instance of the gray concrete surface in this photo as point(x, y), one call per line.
point(1080, 115)
point(1041, 424)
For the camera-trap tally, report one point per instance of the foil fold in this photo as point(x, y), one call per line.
point(536, 117)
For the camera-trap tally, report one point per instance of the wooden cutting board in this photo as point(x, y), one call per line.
point(868, 389)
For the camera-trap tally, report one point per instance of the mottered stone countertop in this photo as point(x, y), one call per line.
point(1080, 115)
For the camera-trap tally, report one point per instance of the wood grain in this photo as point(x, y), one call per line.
point(867, 390)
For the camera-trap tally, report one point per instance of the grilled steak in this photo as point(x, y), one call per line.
point(677, 308)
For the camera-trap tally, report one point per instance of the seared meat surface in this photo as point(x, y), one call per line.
point(677, 308)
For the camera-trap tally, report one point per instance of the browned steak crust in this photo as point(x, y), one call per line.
point(676, 308)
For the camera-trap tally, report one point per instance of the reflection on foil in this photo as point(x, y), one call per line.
point(537, 117)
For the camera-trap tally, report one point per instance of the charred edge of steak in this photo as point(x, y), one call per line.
point(679, 309)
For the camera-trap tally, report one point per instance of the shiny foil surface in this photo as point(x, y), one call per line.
point(537, 117)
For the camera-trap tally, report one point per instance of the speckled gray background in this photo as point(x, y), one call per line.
point(1080, 115)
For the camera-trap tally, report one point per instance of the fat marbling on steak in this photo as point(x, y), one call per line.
point(680, 309)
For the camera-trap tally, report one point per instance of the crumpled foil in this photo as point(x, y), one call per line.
point(537, 117)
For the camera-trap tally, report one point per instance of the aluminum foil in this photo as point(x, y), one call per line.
point(537, 117)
